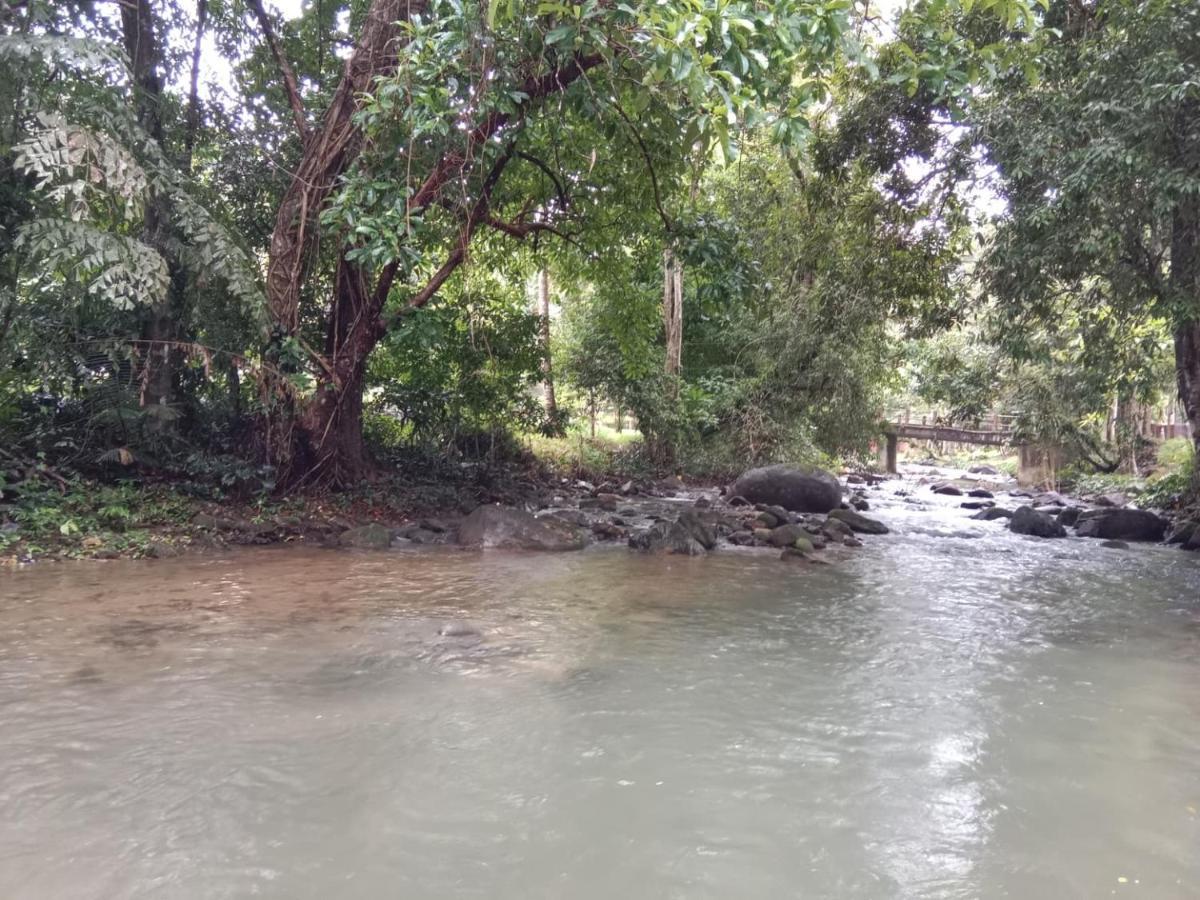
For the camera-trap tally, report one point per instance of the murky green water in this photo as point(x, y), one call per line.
point(949, 712)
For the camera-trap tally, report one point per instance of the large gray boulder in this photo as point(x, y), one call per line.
point(857, 521)
point(1121, 524)
point(506, 528)
point(1027, 520)
point(800, 490)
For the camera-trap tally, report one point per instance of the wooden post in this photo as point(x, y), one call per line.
point(890, 461)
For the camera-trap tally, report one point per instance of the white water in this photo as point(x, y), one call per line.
point(949, 712)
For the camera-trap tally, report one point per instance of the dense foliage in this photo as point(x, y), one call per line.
point(305, 246)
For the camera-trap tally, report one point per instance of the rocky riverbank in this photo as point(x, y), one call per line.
point(799, 515)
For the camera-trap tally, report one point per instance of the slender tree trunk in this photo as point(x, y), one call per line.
point(161, 328)
point(1185, 282)
point(673, 311)
point(547, 365)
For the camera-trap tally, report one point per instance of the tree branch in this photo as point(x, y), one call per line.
point(649, 165)
point(451, 164)
point(558, 185)
point(479, 214)
point(285, 69)
point(192, 122)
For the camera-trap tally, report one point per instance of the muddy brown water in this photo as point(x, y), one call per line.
point(950, 712)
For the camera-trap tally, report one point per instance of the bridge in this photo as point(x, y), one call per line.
point(1000, 434)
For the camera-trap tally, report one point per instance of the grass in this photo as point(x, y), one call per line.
point(580, 455)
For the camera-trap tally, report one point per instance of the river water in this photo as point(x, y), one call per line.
point(951, 711)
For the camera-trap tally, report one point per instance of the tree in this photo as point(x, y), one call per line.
point(455, 93)
point(1100, 158)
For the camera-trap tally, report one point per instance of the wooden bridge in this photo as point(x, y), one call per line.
point(1000, 434)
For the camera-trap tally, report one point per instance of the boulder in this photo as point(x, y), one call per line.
point(368, 537)
point(1111, 500)
point(983, 470)
point(515, 529)
point(1121, 524)
point(1027, 520)
point(688, 536)
point(950, 490)
point(858, 522)
point(993, 513)
point(860, 503)
point(800, 490)
point(980, 492)
point(977, 504)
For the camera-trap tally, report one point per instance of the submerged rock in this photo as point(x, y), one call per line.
point(514, 529)
point(858, 522)
point(689, 536)
point(795, 555)
point(787, 535)
point(368, 537)
point(1027, 520)
point(1069, 516)
point(993, 513)
point(984, 470)
point(1121, 523)
point(1182, 533)
point(799, 490)
point(836, 528)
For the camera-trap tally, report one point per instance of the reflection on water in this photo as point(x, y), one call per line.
point(949, 712)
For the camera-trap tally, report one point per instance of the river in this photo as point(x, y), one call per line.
point(949, 712)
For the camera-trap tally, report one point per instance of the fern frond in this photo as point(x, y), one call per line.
point(77, 167)
point(62, 50)
point(120, 269)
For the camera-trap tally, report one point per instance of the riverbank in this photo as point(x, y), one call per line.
point(61, 520)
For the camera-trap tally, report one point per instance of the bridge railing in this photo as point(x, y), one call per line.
point(992, 421)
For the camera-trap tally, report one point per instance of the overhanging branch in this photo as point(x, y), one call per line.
point(285, 69)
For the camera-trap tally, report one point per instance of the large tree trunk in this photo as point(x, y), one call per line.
point(1185, 283)
point(322, 442)
point(329, 430)
point(327, 155)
